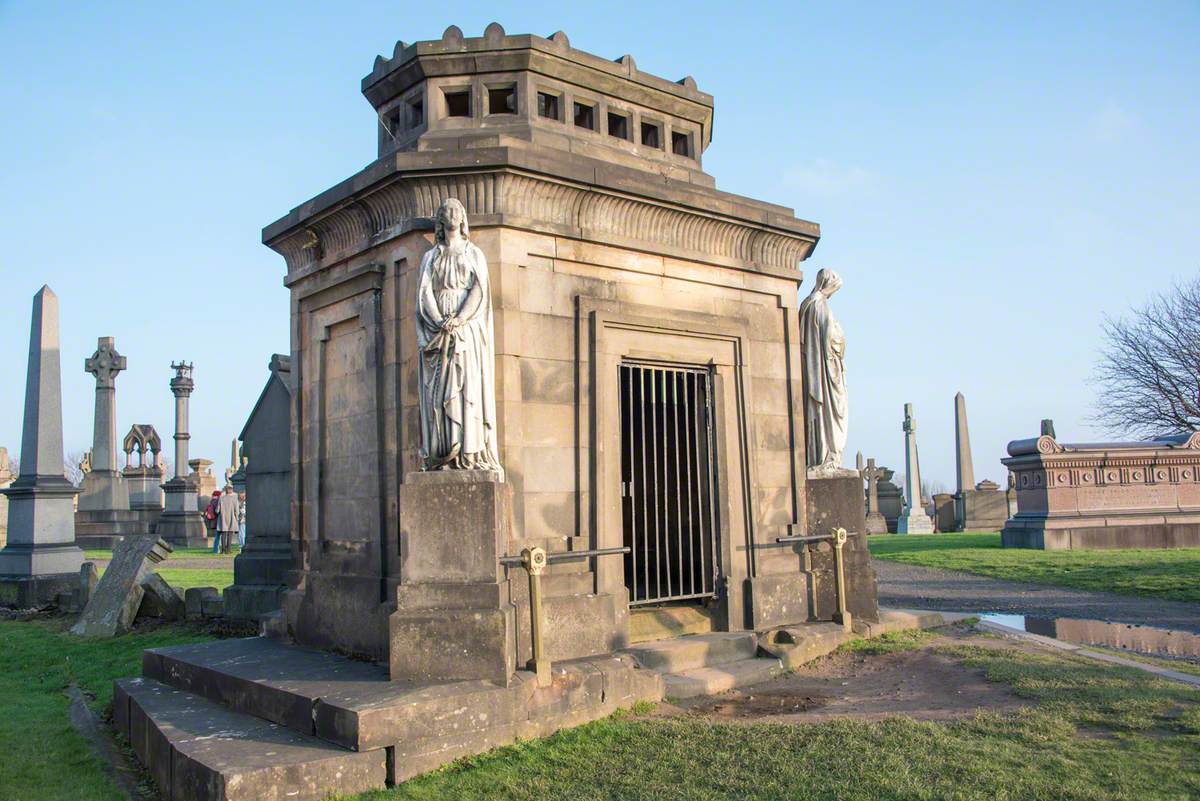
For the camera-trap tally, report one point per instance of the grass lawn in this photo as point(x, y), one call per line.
point(182, 575)
point(1094, 732)
point(1172, 574)
point(44, 758)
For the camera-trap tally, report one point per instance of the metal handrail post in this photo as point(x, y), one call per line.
point(838, 537)
point(534, 560)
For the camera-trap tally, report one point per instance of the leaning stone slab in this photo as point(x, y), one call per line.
point(113, 607)
point(160, 600)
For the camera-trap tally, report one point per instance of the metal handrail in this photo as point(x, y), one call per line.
point(838, 536)
point(535, 560)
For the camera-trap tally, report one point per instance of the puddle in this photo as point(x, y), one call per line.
point(1126, 636)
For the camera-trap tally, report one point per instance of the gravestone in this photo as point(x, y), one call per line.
point(40, 559)
point(914, 519)
point(875, 521)
point(114, 605)
point(159, 599)
point(260, 570)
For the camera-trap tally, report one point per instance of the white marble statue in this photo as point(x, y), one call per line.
point(457, 364)
point(825, 404)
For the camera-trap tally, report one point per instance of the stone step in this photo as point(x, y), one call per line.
point(197, 750)
point(726, 677)
point(695, 651)
point(796, 645)
point(353, 704)
point(664, 622)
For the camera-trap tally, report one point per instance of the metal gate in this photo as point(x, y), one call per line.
point(668, 483)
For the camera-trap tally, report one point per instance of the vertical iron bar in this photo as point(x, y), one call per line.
point(645, 495)
point(665, 561)
point(697, 411)
point(628, 413)
point(654, 462)
point(711, 477)
point(687, 438)
point(679, 535)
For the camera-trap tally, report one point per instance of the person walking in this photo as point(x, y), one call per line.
point(210, 519)
point(227, 518)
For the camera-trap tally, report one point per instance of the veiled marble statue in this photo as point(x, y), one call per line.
point(457, 355)
point(825, 405)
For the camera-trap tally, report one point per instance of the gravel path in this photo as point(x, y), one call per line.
point(910, 586)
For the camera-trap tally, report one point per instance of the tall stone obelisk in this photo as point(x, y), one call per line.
point(41, 558)
point(180, 522)
point(104, 489)
point(913, 520)
point(965, 468)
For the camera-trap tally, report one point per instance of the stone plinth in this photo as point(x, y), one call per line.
point(944, 512)
point(1105, 495)
point(201, 476)
point(454, 617)
point(40, 559)
point(180, 522)
point(832, 503)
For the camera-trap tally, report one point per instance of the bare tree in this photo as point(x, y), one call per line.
point(72, 467)
point(1148, 376)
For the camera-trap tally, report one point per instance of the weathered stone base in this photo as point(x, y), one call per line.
point(251, 603)
point(876, 523)
point(35, 592)
point(104, 529)
point(253, 718)
point(1116, 533)
point(183, 529)
point(919, 523)
point(837, 503)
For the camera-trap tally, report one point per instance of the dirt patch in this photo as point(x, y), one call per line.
point(920, 684)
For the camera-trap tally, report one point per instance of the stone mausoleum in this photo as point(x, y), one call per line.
point(649, 404)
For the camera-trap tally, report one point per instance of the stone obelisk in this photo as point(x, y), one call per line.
point(965, 468)
point(41, 559)
point(913, 520)
point(180, 522)
point(104, 488)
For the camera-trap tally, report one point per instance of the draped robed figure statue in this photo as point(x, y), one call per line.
point(825, 403)
point(456, 369)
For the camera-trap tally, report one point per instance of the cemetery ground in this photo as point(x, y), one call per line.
point(953, 713)
point(1165, 574)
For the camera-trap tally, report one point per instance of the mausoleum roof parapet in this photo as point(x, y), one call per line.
point(444, 94)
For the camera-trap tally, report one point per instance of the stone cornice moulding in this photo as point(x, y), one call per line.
point(514, 197)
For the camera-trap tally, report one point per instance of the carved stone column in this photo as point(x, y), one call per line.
point(181, 523)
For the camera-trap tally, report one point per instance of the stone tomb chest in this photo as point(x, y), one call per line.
point(647, 379)
point(1105, 495)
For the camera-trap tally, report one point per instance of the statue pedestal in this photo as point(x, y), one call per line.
point(454, 618)
point(836, 501)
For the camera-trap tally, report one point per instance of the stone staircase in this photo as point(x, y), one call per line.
point(706, 664)
point(259, 719)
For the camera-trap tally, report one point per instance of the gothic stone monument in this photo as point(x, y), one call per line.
point(145, 478)
point(260, 570)
point(40, 559)
point(1104, 495)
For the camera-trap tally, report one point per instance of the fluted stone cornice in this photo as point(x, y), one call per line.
point(622, 208)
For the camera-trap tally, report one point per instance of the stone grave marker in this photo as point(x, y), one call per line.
point(114, 605)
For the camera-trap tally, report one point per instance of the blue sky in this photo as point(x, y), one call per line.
point(991, 178)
